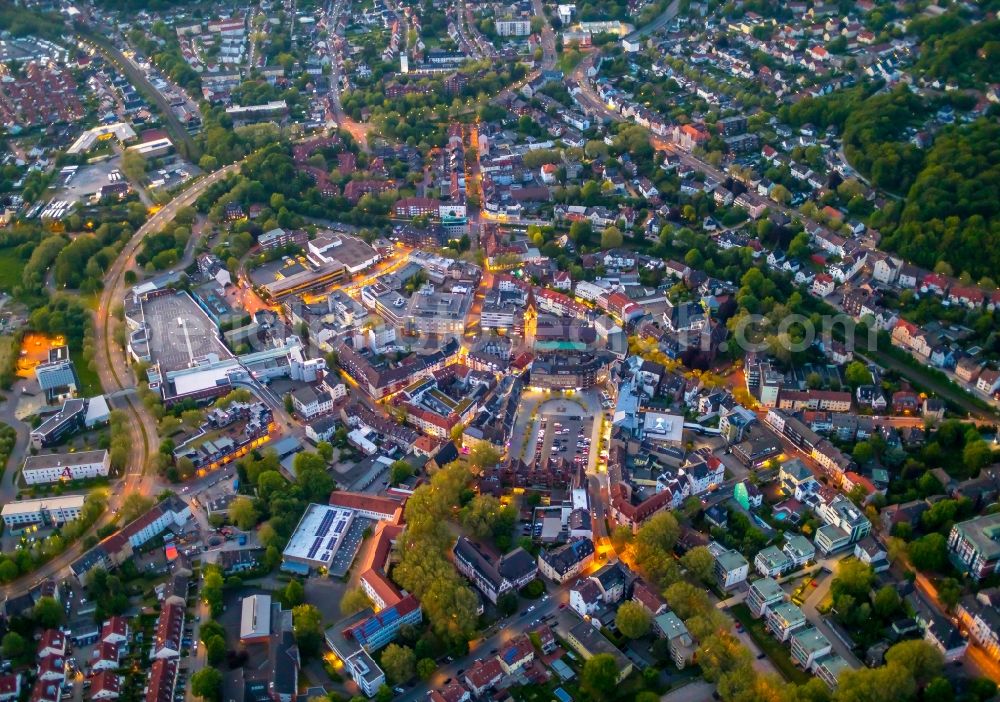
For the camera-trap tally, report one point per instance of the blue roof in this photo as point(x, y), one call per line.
point(562, 695)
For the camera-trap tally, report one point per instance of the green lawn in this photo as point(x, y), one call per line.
point(775, 650)
point(11, 266)
point(568, 61)
point(90, 384)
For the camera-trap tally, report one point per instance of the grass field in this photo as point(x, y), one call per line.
point(11, 267)
point(775, 650)
point(90, 384)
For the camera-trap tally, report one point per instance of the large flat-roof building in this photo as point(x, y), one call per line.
point(349, 251)
point(46, 511)
point(318, 536)
point(356, 637)
point(171, 330)
point(433, 311)
point(67, 420)
point(568, 371)
point(975, 545)
point(56, 467)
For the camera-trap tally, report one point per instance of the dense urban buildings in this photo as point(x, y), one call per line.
point(615, 350)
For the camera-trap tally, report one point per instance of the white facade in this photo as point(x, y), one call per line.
point(51, 468)
point(52, 510)
point(155, 527)
point(513, 27)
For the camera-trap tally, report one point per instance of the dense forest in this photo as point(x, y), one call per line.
point(950, 212)
point(947, 211)
point(966, 55)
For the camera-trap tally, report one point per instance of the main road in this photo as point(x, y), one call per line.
point(115, 377)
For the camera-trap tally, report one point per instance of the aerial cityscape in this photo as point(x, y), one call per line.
point(616, 351)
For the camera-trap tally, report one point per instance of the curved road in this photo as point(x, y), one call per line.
point(115, 377)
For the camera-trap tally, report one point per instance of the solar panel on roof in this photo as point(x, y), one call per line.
point(324, 526)
point(317, 542)
point(340, 527)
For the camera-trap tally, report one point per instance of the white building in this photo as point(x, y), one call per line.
point(763, 594)
point(54, 467)
point(310, 401)
point(47, 510)
point(318, 536)
point(513, 27)
point(845, 525)
point(731, 569)
point(171, 512)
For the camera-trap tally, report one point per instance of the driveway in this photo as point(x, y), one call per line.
point(816, 596)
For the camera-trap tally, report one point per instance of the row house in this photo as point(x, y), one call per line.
point(912, 338)
point(980, 615)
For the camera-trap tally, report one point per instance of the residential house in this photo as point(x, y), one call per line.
point(762, 595)
point(783, 619)
point(730, 568)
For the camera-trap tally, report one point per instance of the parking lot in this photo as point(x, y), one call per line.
point(89, 179)
point(562, 436)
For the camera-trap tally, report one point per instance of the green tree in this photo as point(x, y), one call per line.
point(939, 690)
point(929, 552)
point(399, 663)
point(653, 549)
point(14, 645)
point(426, 668)
point(207, 684)
point(215, 649)
point(976, 455)
point(686, 600)
point(209, 629)
point(211, 589)
point(918, 657)
point(325, 450)
point(632, 620)
point(853, 578)
point(621, 537)
point(857, 374)
point(399, 471)
point(294, 594)
point(699, 563)
point(887, 602)
point(611, 238)
point(483, 456)
point(48, 614)
point(134, 505)
point(949, 592)
point(307, 625)
point(243, 513)
point(600, 675)
point(354, 600)
point(134, 166)
point(8, 571)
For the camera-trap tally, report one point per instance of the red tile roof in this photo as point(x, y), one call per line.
point(484, 674)
point(104, 681)
point(361, 501)
point(162, 678)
